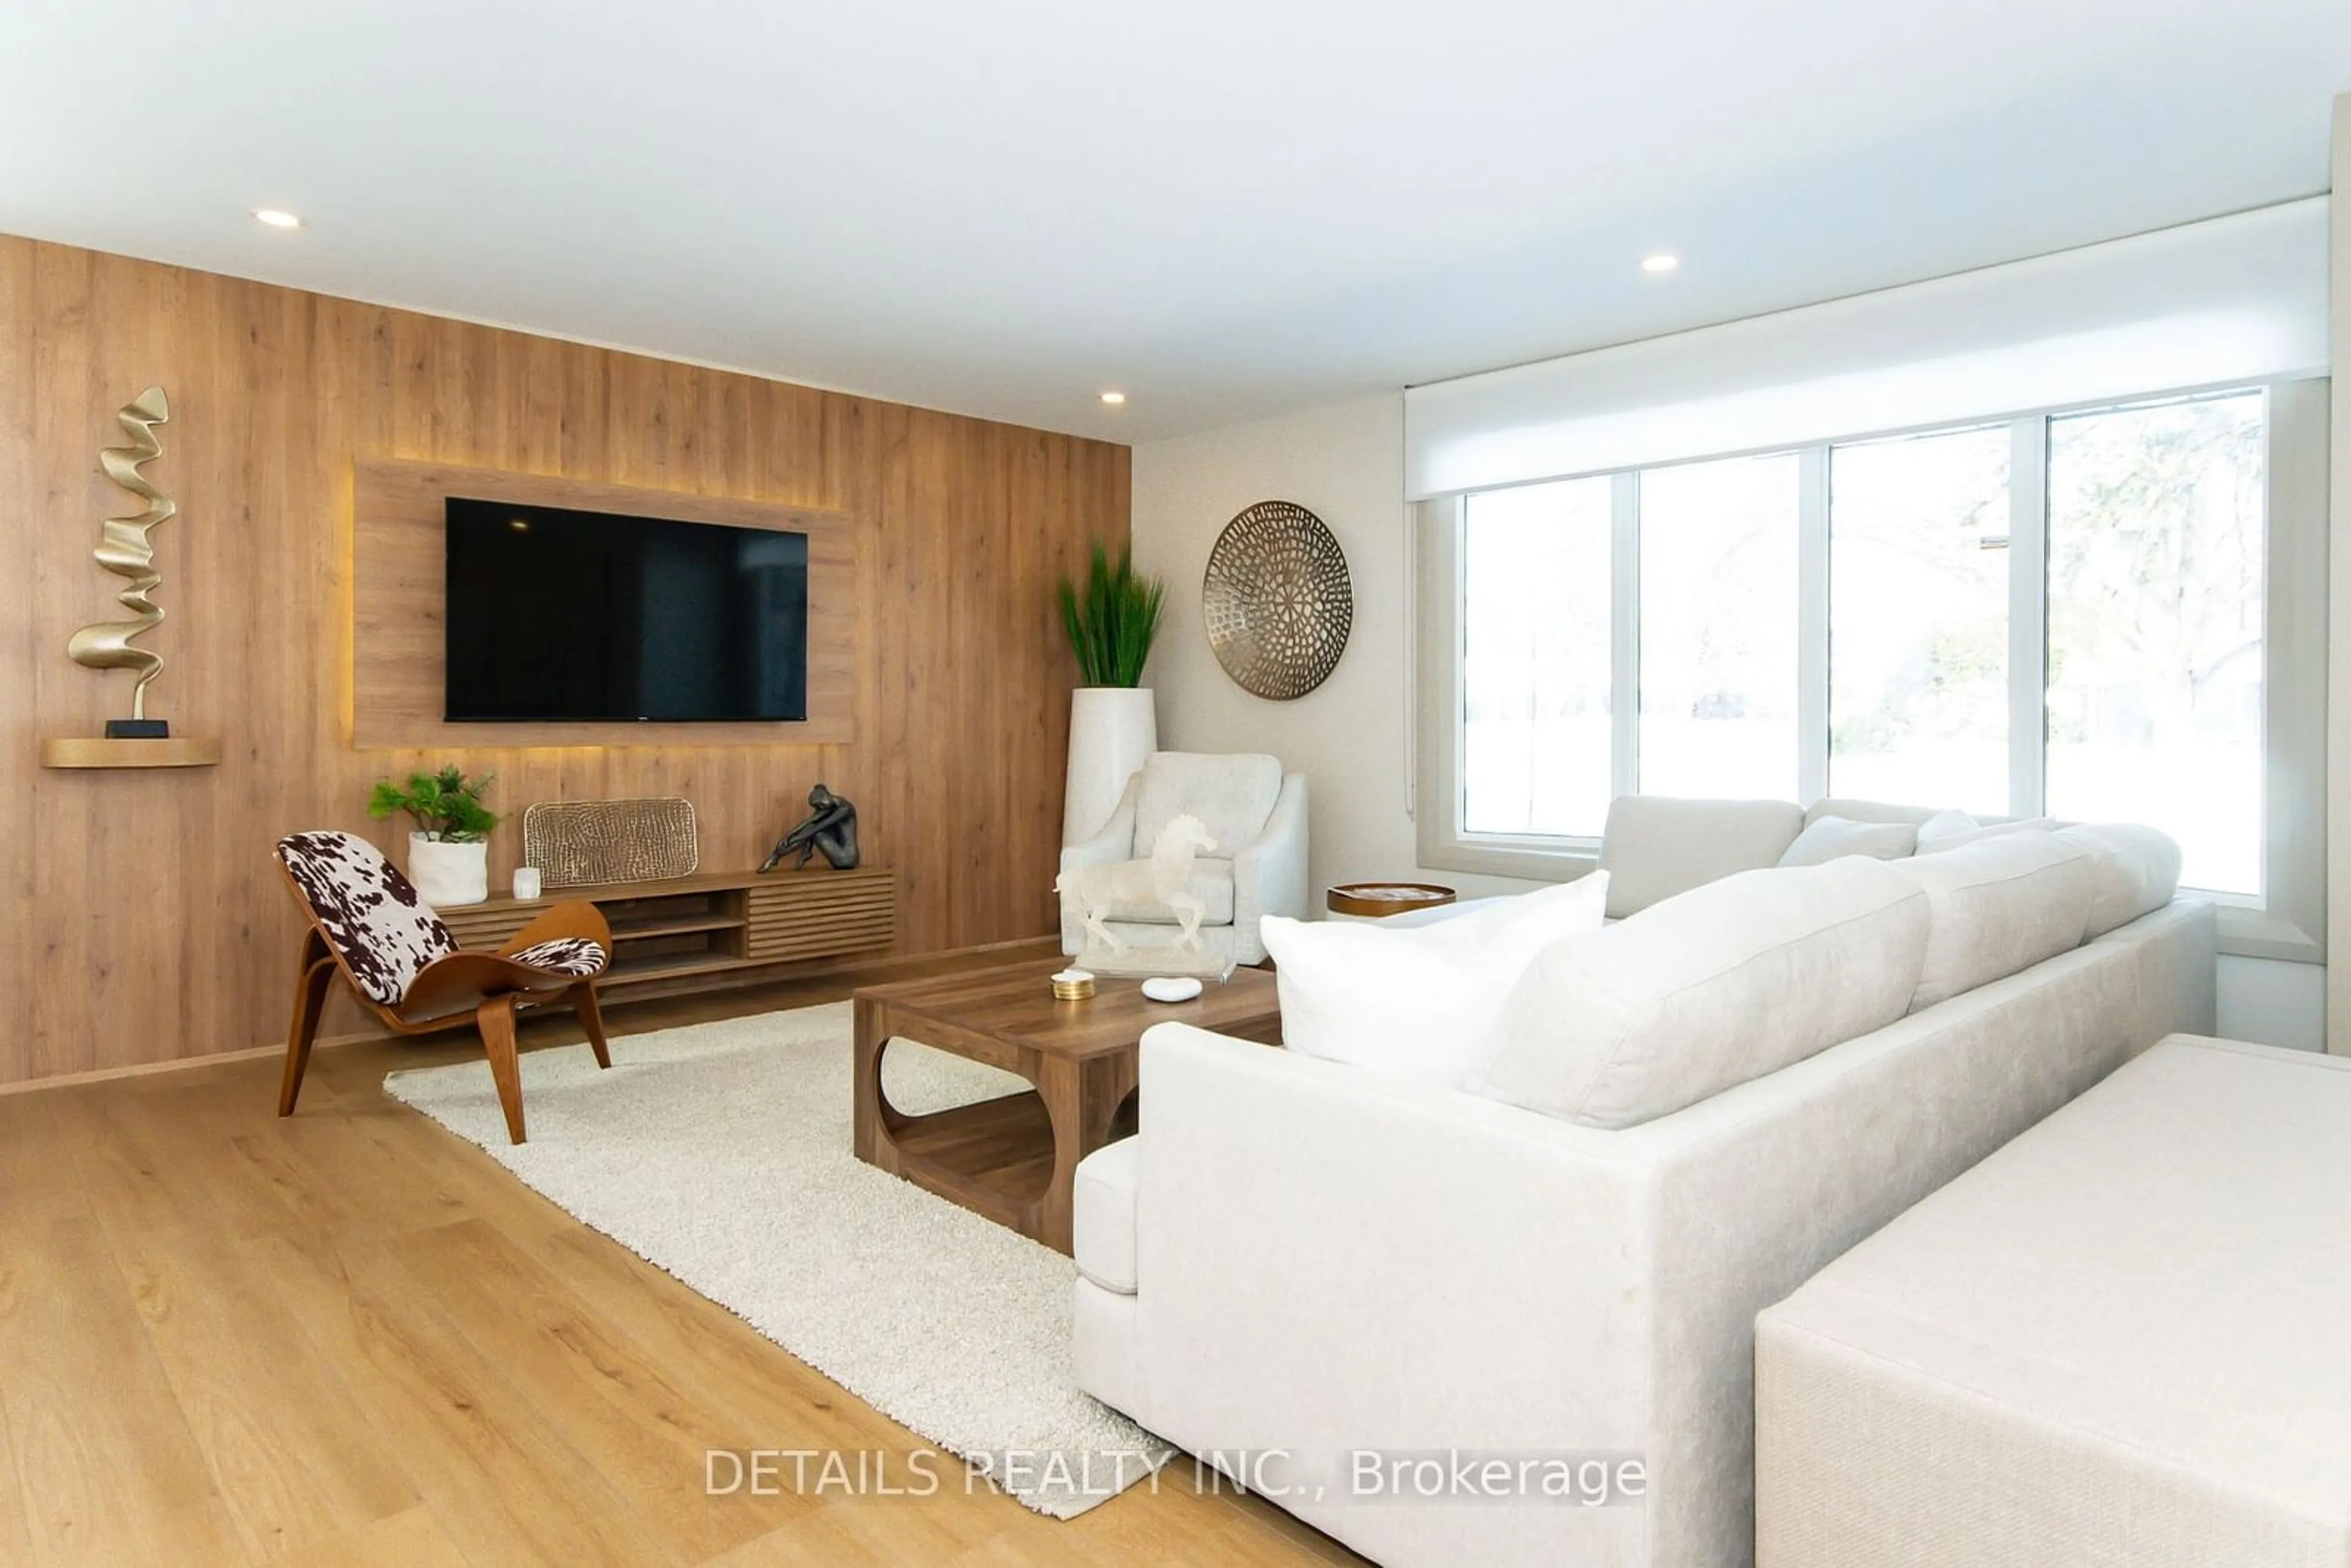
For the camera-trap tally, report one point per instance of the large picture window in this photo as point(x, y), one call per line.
point(2156, 559)
point(1535, 666)
point(1718, 676)
point(2062, 614)
point(1918, 590)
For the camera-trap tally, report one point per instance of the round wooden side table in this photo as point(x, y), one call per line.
point(1378, 900)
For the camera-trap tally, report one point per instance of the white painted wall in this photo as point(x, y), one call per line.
point(1349, 736)
point(1352, 736)
point(2273, 1002)
point(2339, 661)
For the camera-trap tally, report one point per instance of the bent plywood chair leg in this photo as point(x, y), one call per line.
point(311, 984)
point(591, 1019)
point(495, 1018)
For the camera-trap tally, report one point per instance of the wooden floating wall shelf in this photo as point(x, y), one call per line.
point(97, 751)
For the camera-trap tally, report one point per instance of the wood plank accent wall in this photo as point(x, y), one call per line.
point(400, 594)
point(141, 919)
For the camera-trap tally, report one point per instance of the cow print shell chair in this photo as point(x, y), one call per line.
point(402, 964)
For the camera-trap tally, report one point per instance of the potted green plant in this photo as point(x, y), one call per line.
point(1111, 618)
point(449, 852)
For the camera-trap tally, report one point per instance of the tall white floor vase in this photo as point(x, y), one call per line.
point(1112, 730)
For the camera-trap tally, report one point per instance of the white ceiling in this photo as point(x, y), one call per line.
point(1225, 207)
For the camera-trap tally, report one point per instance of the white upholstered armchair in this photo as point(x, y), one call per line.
point(1256, 813)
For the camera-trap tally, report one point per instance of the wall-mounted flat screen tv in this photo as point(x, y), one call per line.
point(560, 615)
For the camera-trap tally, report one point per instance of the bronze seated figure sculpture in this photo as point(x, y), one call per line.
point(831, 831)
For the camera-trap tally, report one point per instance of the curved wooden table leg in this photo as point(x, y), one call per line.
point(495, 1018)
point(309, 1001)
point(874, 1118)
point(1081, 1100)
point(591, 1019)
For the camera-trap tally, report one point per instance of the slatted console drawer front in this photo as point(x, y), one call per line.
point(818, 915)
point(487, 929)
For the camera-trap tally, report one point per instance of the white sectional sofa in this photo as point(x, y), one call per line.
point(1310, 1272)
point(2117, 1341)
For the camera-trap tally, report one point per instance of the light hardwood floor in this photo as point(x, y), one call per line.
point(350, 1339)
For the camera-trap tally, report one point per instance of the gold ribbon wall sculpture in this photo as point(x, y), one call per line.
point(125, 550)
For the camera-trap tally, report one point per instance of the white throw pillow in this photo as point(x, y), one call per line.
point(1422, 1001)
point(1950, 829)
point(2000, 905)
point(2137, 871)
point(1708, 990)
point(1858, 811)
point(1834, 838)
point(1944, 828)
point(1438, 914)
point(1655, 846)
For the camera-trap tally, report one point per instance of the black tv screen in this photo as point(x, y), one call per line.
point(558, 615)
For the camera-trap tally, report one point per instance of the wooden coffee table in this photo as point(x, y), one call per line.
point(1013, 1159)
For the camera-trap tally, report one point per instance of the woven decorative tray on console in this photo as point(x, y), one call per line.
point(581, 843)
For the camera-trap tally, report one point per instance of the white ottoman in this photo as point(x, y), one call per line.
point(2125, 1339)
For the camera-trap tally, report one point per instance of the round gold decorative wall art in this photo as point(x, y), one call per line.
point(1277, 600)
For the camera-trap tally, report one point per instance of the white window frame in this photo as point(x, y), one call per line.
point(2287, 922)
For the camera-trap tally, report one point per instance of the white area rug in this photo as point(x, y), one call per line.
point(721, 1154)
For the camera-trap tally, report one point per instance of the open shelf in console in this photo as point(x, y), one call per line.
point(645, 927)
point(716, 927)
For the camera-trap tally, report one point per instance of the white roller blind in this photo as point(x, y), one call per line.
point(2237, 299)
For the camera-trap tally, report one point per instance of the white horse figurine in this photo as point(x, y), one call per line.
point(1165, 879)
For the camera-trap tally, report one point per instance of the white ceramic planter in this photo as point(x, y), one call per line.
point(1112, 730)
point(448, 874)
